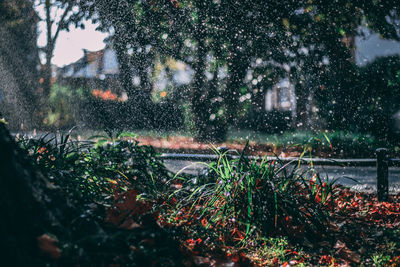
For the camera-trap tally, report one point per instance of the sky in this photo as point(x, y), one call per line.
point(69, 45)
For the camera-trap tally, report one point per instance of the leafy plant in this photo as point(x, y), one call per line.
point(63, 103)
point(93, 172)
point(380, 259)
point(242, 197)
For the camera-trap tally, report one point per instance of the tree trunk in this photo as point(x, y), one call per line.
point(300, 122)
point(143, 63)
point(125, 71)
point(237, 68)
point(203, 91)
point(198, 97)
point(139, 106)
point(29, 205)
point(49, 49)
point(46, 86)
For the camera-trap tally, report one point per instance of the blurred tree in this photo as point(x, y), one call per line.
point(18, 63)
point(378, 97)
point(227, 36)
point(327, 30)
point(312, 41)
point(136, 30)
point(58, 15)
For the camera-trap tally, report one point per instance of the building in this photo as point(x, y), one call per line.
point(100, 70)
point(96, 70)
point(98, 64)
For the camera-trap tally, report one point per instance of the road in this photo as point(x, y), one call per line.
point(362, 178)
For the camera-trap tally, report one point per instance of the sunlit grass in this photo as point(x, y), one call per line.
point(266, 197)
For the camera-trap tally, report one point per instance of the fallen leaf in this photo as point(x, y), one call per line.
point(48, 246)
point(347, 254)
point(201, 261)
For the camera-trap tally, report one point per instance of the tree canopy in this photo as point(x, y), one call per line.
point(312, 42)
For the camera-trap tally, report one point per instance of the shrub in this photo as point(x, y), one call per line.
point(63, 106)
point(274, 121)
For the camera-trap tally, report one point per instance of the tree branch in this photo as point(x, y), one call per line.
point(61, 22)
point(49, 23)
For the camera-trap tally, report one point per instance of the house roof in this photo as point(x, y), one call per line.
point(94, 64)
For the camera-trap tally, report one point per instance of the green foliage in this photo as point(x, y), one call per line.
point(63, 106)
point(363, 99)
point(339, 140)
point(253, 42)
point(241, 205)
point(94, 173)
point(266, 197)
point(380, 259)
point(337, 143)
point(379, 96)
point(277, 248)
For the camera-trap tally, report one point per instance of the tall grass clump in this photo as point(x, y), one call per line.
point(240, 197)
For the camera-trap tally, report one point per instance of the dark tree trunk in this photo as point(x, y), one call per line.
point(204, 91)
point(143, 63)
point(49, 49)
point(20, 102)
point(300, 122)
point(139, 106)
point(125, 71)
point(198, 94)
point(29, 205)
point(238, 64)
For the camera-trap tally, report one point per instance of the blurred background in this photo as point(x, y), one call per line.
point(208, 71)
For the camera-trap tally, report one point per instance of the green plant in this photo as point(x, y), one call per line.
point(265, 197)
point(91, 172)
point(338, 143)
point(380, 259)
point(274, 247)
point(63, 106)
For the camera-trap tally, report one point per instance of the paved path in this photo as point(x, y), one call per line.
point(365, 176)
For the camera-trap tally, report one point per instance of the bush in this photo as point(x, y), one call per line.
point(364, 99)
point(115, 115)
point(339, 140)
point(168, 116)
point(113, 185)
point(63, 106)
point(274, 121)
point(379, 97)
point(101, 114)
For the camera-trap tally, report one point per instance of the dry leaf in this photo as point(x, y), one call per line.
point(347, 254)
point(48, 246)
